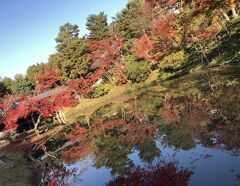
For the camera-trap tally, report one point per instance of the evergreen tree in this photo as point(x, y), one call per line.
point(132, 20)
point(71, 59)
point(7, 83)
point(22, 85)
point(67, 33)
point(97, 25)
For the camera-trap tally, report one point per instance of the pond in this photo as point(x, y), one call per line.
point(186, 135)
point(125, 137)
point(211, 161)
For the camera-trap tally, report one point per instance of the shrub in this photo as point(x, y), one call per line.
point(137, 71)
point(99, 91)
point(172, 64)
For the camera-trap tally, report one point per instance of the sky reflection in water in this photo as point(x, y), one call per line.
point(211, 166)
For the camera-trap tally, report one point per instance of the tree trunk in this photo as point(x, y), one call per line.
point(233, 8)
point(88, 121)
point(225, 15)
point(58, 118)
point(36, 123)
point(62, 117)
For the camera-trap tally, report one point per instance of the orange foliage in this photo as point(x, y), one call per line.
point(143, 48)
point(163, 33)
point(169, 113)
point(76, 133)
point(76, 152)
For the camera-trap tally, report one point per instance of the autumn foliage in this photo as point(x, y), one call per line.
point(76, 133)
point(144, 47)
point(14, 110)
point(170, 113)
point(22, 107)
point(148, 31)
point(83, 86)
point(57, 175)
point(46, 80)
point(103, 52)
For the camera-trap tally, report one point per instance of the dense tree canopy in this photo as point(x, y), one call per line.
point(2, 89)
point(71, 59)
point(127, 22)
point(33, 70)
point(98, 26)
point(67, 33)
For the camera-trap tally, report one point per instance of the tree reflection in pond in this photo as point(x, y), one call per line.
point(120, 147)
point(112, 152)
point(117, 140)
point(185, 137)
point(111, 143)
point(188, 124)
point(158, 175)
point(178, 136)
point(56, 173)
point(148, 151)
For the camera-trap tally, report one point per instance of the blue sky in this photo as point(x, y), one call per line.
point(29, 28)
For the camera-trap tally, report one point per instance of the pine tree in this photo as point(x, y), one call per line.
point(97, 25)
point(71, 58)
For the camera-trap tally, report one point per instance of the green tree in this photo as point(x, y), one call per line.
point(179, 136)
point(112, 152)
point(148, 151)
point(22, 85)
point(173, 64)
point(2, 90)
point(132, 20)
point(71, 58)
point(97, 25)
point(67, 33)
point(7, 83)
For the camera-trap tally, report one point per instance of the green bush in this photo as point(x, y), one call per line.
point(99, 91)
point(175, 61)
point(173, 64)
point(166, 75)
point(137, 71)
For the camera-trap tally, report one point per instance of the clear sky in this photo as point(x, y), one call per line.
point(28, 28)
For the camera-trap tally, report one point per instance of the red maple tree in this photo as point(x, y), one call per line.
point(25, 106)
point(83, 86)
point(46, 80)
point(103, 52)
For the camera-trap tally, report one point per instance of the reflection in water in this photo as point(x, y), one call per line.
point(112, 153)
point(56, 173)
point(148, 151)
point(178, 136)
point(158, 175)
point(194, 128)
point(117, 148)
point(188, 132)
